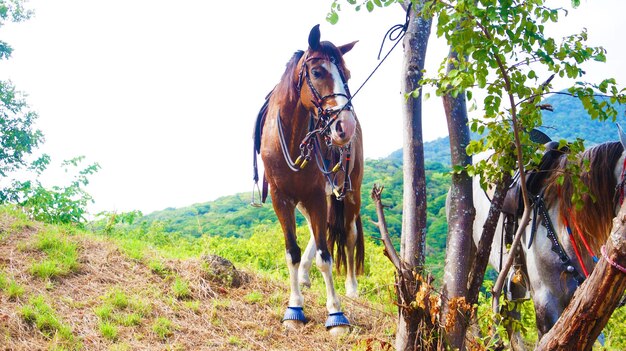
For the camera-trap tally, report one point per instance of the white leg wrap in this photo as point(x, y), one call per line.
point(332, 300)
point(295, 297)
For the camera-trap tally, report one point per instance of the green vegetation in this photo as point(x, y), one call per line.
point(43, 316)
point(163, 327)
point(180, 289)
point(61, 254)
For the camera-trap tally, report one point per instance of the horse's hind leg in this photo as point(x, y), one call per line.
point(354, 230)
point(336, 322)
point(285, 211)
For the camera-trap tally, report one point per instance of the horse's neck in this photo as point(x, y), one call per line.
point(295, 120)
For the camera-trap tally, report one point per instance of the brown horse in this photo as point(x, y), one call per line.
point(309, 117)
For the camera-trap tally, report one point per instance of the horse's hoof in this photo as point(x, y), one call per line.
point(292, 325)
point(294, 318)
point(339, 330)
point(337, 324)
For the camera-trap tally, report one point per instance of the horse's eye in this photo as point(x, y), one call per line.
point(317, 73)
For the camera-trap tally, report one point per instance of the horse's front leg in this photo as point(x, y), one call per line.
point(285, 211)
point(336, 323)
point(309, 253)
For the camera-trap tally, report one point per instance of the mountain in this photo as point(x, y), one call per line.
point(567, 121)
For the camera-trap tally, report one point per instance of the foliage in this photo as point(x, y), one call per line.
point(18, 137)
point(18, 141)
point(501, 46)
point(58, 204)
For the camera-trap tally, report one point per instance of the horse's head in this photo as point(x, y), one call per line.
point(322, 79)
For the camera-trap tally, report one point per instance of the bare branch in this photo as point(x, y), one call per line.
point(390, 250)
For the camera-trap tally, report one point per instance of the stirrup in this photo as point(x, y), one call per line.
point(517, 284)
point(253, 202)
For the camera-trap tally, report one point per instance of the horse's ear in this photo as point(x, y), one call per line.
point(622, 135)
point(314, 37)
point(347, 47)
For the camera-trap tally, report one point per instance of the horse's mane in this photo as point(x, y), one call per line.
point(596, 215)
point(287, 88)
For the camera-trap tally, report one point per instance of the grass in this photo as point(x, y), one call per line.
point(117, 298)
point(163, 328)
point(10, 287)
point(254, 297)
point(180, 289)
point(43, 316)
point(108, 330)
point(61, 254)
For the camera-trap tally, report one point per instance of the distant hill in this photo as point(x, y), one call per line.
point(568, 121)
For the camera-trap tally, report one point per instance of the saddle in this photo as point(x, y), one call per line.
point(513, 201)
point(517, 287)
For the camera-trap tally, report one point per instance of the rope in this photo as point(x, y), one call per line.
point(582, 237)
point(611, 262)
point(395, 33)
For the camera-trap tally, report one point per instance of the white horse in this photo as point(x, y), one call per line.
point(561, 241)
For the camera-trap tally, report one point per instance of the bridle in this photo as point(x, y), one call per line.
point(325, 117)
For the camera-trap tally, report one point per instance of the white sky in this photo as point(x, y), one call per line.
point(164, 94)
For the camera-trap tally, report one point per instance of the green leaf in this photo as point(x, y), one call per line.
point(370, 6)
point(332, 17)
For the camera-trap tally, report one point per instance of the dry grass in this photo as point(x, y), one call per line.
point(213, 317)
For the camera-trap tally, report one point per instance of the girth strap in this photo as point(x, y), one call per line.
point(540, 208)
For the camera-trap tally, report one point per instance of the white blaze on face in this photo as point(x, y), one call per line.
point(345, 125)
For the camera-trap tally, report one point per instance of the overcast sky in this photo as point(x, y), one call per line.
point(163, 94)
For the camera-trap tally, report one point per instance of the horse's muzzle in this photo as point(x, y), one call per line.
point(342, 131)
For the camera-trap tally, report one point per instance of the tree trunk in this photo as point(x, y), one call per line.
point(413, 238)
point(460, 220)
point(595, 300)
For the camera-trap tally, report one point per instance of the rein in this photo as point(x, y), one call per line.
point(540, 208)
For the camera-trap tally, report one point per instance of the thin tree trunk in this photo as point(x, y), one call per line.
point(595, 300)
point(460, 220)
point(413, 238)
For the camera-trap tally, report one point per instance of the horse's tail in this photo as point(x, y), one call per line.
point(338, 236)
point(360, 246)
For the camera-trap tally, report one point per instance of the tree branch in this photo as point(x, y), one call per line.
point(390, 250)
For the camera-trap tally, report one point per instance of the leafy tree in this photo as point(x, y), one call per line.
point(18, 137)
point(18, 142)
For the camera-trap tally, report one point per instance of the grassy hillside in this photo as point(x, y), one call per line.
point(126, 289)
point(65, 289)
